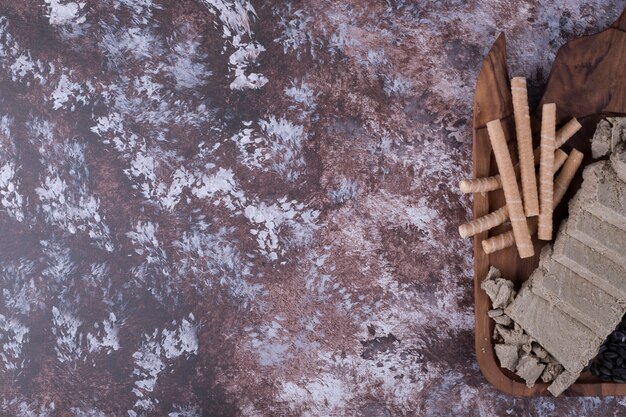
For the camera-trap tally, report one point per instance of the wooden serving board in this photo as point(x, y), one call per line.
point(587, 81)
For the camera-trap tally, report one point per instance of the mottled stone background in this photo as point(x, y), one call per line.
point(250, 208)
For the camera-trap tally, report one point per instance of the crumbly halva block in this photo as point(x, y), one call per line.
point(499, 290)
point(591, 265)
point(540, 352)
point(508, 355)
point(503, 320)
point(576, 296)
point(529, 369)
point(609, 133)
point(603, 194)
point(618, 130)
point(499, 317)
point(513, 343)
point(515, 337)
point(611, 202)
point(562, 382)
point(504, 296)
point(604, 237)
point(551, 372)
point(527, 347)
point(569, 341)
point(618, 161)
point(601, 141)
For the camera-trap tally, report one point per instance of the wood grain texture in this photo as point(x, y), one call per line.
point(587, 81)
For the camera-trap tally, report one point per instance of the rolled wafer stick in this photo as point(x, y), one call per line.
point(483, 223)
point(480, 184)
point(559, 159)
point(511, 191)
point(564, 179)
point(525, 146)
point(568, 130)
point(499, 242)
point(561, 184)
point(501, 215)
point(562, 135)
point(546, 169)
point(485, 184)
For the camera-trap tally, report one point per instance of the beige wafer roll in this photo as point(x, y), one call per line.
point(501, 215)
point(511, 191)
point(483, 223)
point(480, 184)
point(566, 132)
point(546, 169)
point(559, 159)
point(562, 135)
point(525, 146)
point(564, 179)
point(485, 184)
point(561, 184)
point(499, 242)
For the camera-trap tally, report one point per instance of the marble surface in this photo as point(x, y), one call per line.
point(250, 208)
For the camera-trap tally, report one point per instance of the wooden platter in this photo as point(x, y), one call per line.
point(587, 81)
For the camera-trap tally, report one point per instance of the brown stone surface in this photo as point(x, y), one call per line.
point(224, 207)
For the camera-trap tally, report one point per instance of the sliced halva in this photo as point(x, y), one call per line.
point(562, 382)
point(575, 295)
point(603, 237)
point(591, 265)
point(568, 340)
point(603, 194)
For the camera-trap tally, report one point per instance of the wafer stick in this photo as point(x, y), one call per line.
point(566, 132)
point(511, 191)
point(559, 159)
point(561, 184)
point(501, 215)
point(563, 180)
point(525, 146)
point(546, 167)
point(483, 223)
point(562, 136)
point(499, 242)
point(485, 184)
point(480, 184)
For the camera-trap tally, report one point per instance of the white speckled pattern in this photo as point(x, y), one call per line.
point(247, 208)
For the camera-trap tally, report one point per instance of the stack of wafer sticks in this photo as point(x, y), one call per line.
point(529, 207)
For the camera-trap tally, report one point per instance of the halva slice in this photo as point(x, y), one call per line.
point(565, 338)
